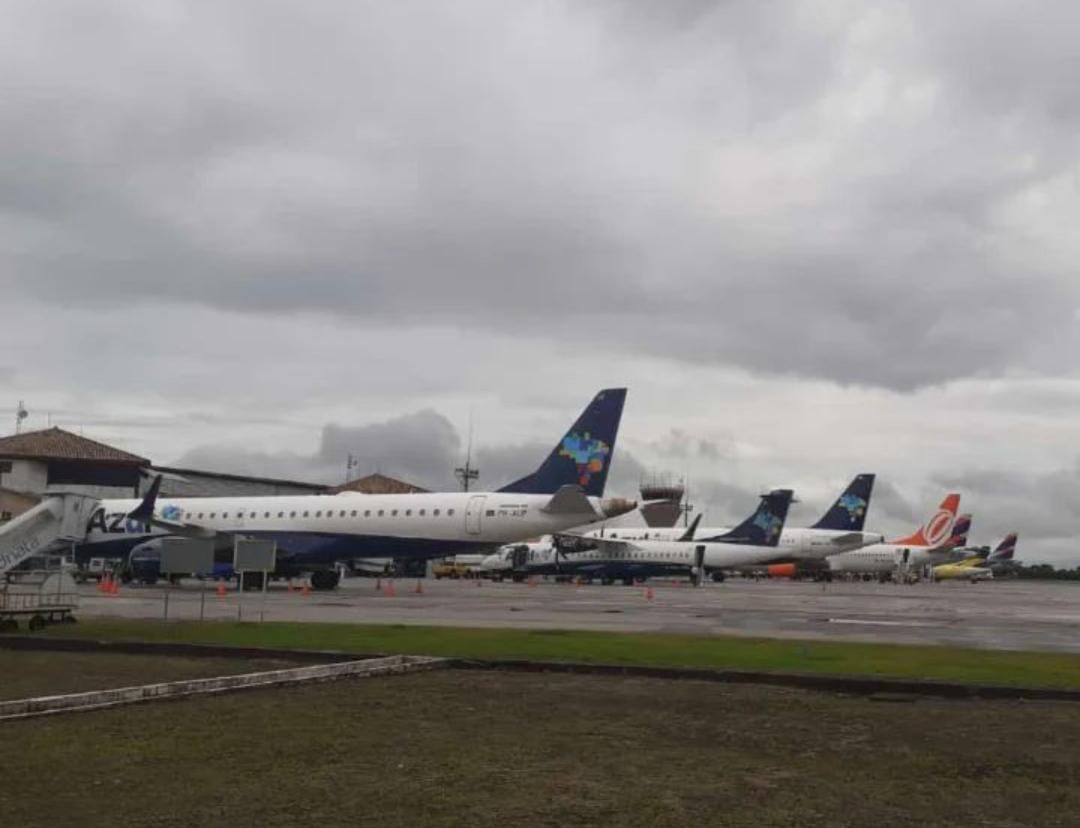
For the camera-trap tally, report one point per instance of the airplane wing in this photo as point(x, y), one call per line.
point(568, 543)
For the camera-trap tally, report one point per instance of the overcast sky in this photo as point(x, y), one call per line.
point(812, 238)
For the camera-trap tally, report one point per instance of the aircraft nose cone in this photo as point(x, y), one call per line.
point(615, 506)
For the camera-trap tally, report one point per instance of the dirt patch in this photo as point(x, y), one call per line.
point(25, 674)
point(493, 749)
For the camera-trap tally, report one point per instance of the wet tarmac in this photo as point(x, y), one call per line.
point(1012, 615)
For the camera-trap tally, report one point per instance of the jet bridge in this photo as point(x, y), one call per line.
point(60, 518)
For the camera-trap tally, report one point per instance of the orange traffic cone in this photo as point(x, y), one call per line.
point(305, 590)
point(114, 587)
point(532, 582)
point(220, 590)
point(390, 591)
point(291, 588)
point(649, 594)
point(419, 587)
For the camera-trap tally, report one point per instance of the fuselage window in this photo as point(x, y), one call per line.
point(408, 513)
point(305, 514)
point(292, 514)
point(367, 512)
point(393, 513)
point(380, 512)
point(353, 513)
point(279, 514)
point(435, 512)
point(224, 515)
point(449, 512)
point(423, 512)
point(491, 513)
point(318, 513)
point(238, 514)
point(200, 515)
point(266, 514)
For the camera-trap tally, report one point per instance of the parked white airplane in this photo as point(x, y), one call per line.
point(751, 542)
point(839, 530)
point(313, 532)
point(929, 545)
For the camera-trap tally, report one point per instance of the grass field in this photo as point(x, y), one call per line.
point(840, 658)
point(25, 674)
point(495, 749)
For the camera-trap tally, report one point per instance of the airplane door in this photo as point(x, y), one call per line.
point(698, 574)
point(473, 512)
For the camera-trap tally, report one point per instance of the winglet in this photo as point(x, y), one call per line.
point(145, 510)
point(688, 535)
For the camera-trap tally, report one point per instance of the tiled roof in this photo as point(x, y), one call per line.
point(379, 484)
point(57, 444)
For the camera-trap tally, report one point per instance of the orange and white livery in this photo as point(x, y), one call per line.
point(930, 544)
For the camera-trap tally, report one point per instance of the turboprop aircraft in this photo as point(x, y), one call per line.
point(800, 550)
point(752, 541)
point(313, 532)
point(928, 545)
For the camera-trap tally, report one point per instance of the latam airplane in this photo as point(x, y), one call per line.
point(929, 545)
point(313, 532)
point(801, 549)
point(610, 559)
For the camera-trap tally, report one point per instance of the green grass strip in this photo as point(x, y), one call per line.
point(710, 652)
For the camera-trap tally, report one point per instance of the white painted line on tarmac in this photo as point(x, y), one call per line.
point(880, 623)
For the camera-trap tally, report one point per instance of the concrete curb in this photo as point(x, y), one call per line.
point(98, 699)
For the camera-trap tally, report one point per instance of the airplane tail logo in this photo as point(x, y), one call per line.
point(959, 537)
point(762, 528)
point(588, 454)
point(1006, 549)
point(583, 456)
point(848, 514)
point(937, 529)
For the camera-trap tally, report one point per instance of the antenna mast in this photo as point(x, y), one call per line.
point(468, 473)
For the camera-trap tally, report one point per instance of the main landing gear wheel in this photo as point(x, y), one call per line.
point(37, 622)
point(324, 580)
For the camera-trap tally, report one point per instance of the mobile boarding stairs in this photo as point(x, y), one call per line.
point(49, 596)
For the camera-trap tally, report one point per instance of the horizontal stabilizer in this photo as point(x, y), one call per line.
point(569, 500)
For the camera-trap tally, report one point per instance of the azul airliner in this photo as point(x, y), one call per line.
point(313, 532)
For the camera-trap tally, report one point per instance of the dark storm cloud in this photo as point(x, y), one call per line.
point(422, 448)
point(851, 192)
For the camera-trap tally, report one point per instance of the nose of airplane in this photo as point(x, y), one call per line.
point(615, 506)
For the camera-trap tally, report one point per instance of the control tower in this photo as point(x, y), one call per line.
point(670, 491)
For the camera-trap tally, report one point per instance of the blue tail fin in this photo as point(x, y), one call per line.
point(848, 514)
point(762, 528)
point(583, 456)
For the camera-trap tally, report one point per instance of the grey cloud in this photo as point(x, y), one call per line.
point(596, 171)
point(1043, 508)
